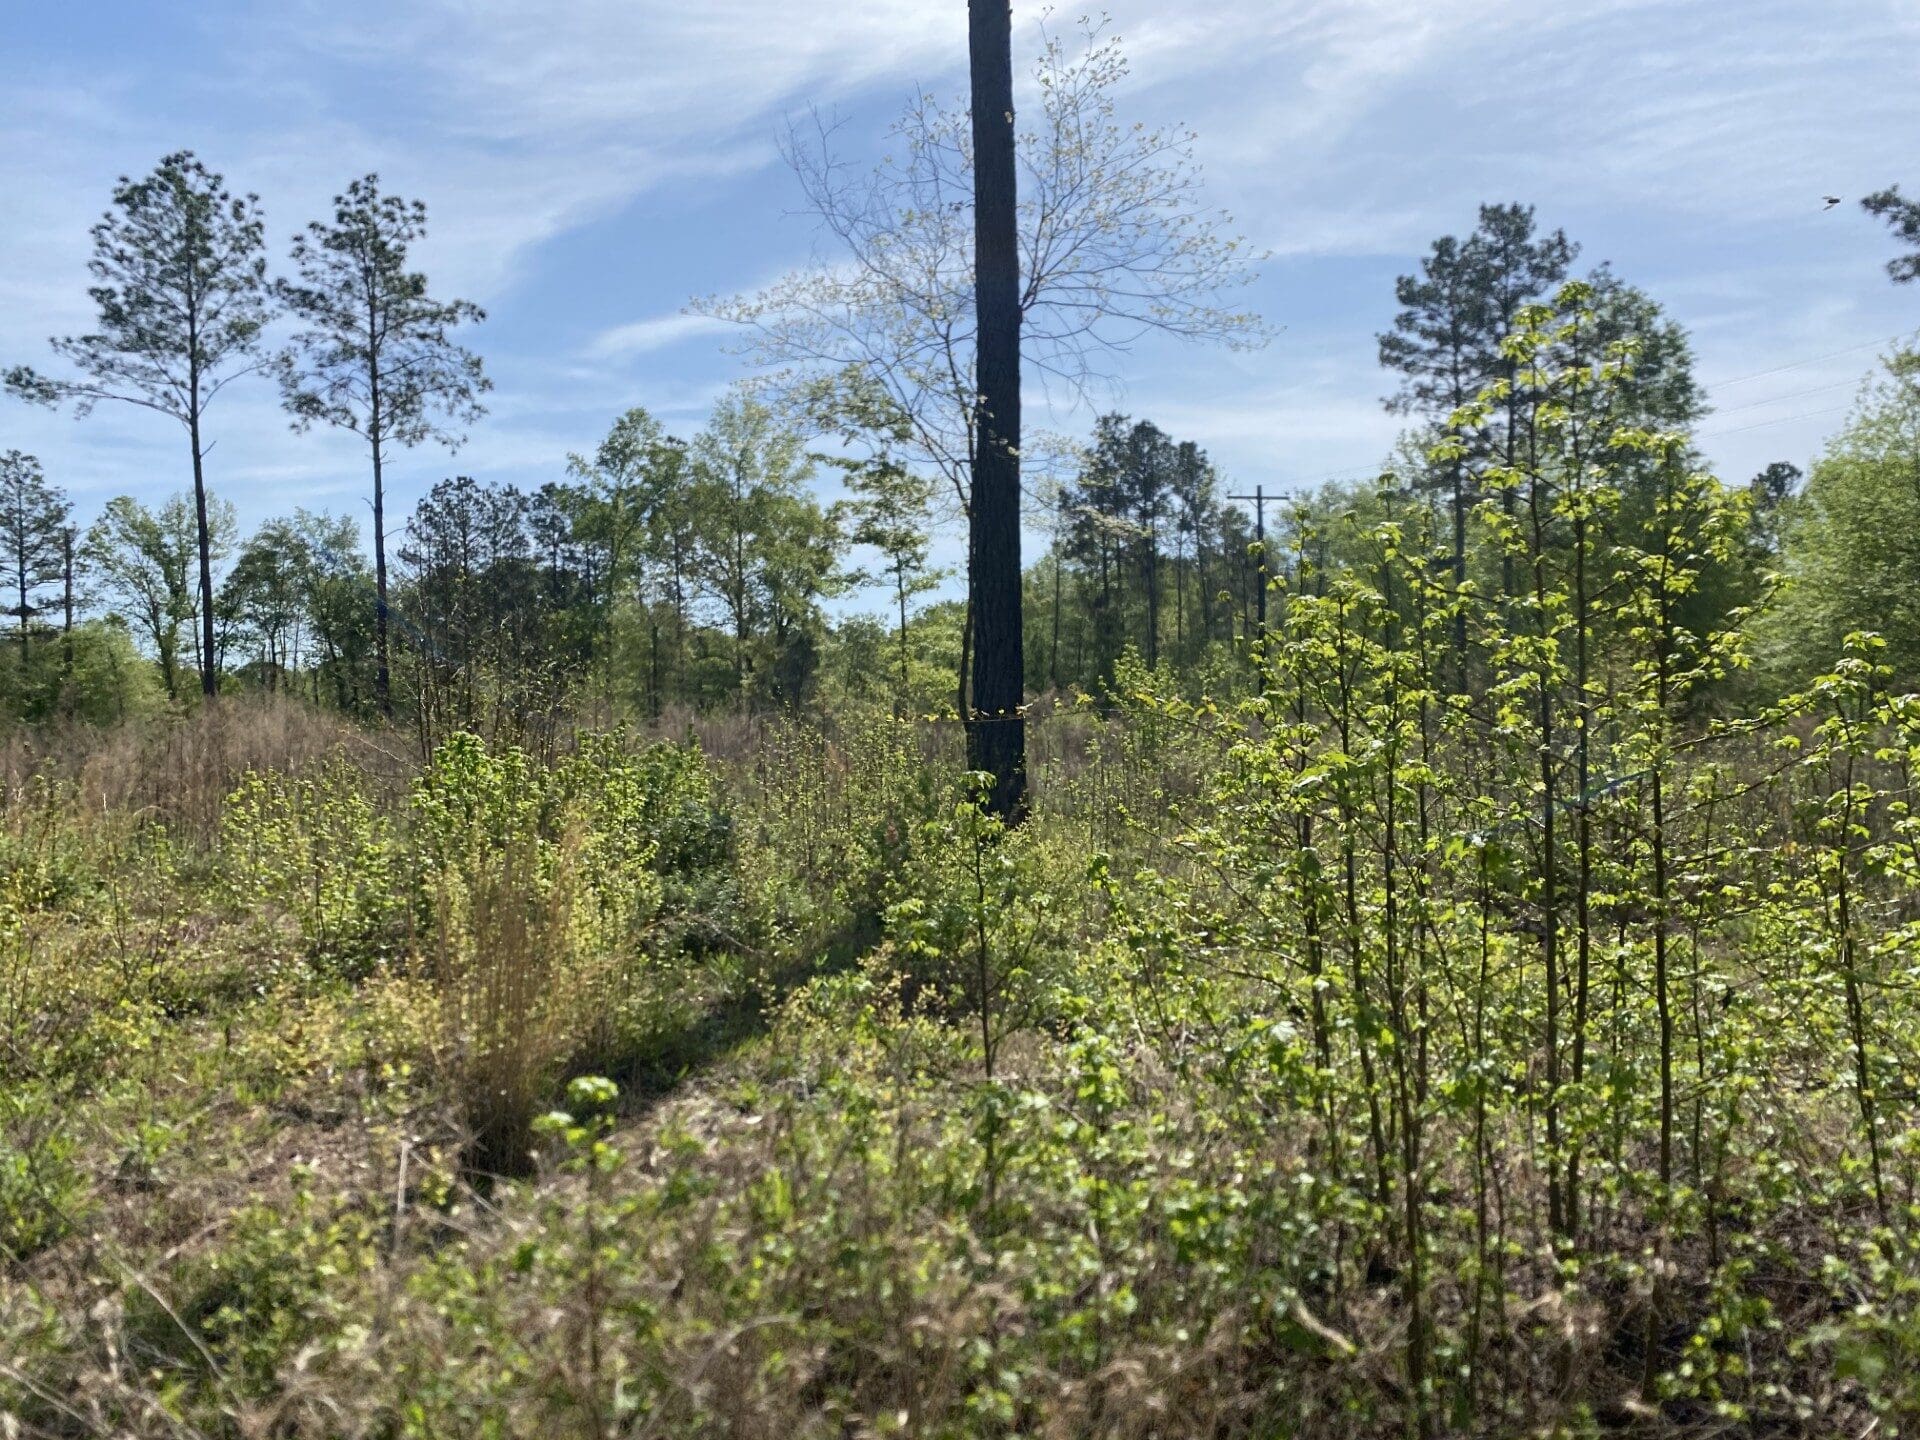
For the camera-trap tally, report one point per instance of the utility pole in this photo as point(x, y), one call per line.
point(1258, 499)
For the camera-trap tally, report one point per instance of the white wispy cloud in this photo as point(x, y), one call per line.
point(658, 332)
point(1689, 142)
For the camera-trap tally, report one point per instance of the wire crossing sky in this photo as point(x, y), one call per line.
point(589, 168)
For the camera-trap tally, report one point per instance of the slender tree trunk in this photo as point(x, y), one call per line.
point(1203, 601)
point(1583, 906)
point(1507, 497)
point(961, 695)
point(1103, 631)
point(1544, 717)
point(1663, 1010)
point(66, 603)
point(1856, 1007)
point(1366, 1023)
point(382, 659)
point(653, 669)
point(165, 629)
point(905, 676)
point(209, 677)
point(996, 728)
point(1053, 651)
point(1153, 600)
point(679, 615)
point(739, 598)
point(1459, 575)
point(1180, 603)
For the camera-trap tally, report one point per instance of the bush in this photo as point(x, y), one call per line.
point(42, 1192)
point(314, 849)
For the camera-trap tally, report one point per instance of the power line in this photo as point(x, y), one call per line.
point(1299, 487)
point(1777, 420)
point(1791, 395)
point(1798, 364)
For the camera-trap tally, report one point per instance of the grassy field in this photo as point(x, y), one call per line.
point(764, 1087)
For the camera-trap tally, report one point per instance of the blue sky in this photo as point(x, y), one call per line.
point(591, 166)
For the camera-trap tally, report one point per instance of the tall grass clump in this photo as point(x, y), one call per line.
point(505, 958)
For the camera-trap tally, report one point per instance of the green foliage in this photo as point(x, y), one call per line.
point(1461, 1009)
point(824, 817)
point(42, 1193)
point(142, 561)
point(471, 801)
point(314, 848)
point(273, 1288)
point(1851, 556)
point(973, 921)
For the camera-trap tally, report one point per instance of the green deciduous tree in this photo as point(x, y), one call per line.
point(626, 504)
point(888, 514)
point(338, 593)
point(891, 506)
point(264, 598)
point(764, 550)
point(143, 560)
point(1852, 539)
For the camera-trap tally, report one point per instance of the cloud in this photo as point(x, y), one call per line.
point(659, 332)
point(524, 69)
point(566, 150)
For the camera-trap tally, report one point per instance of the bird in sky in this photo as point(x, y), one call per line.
point(1832, 200)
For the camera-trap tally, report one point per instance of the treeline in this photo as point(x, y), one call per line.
point(661, 573)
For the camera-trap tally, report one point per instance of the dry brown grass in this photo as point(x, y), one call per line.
point(180, 769)
point(519, 994)
point(494, 958)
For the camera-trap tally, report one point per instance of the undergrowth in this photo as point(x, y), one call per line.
point(637, 1092)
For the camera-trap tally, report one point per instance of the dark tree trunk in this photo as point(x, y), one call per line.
point(1180, 602)
point(209, 668)
point(1203, 600)
point(66, 602)
point(996, 729)
point(906, 673)
point(382, 661)
point(965, 673)
point(653, 669)
point(739, 594)
point(1152, 578)
point(1053, 651)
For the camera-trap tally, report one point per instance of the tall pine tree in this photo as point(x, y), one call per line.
point(378, 356)
point(183, 299)
point(33, 533)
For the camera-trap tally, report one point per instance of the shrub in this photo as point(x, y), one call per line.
point(314, 849)
point(42, 1192)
